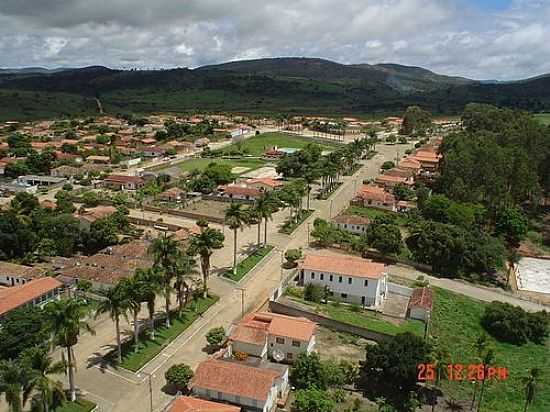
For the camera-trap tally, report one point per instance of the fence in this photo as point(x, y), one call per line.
point(399, 289)
point(183, 213)
point(147, 222)
point(284, 309)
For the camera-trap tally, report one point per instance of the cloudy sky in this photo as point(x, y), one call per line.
point(481, 39)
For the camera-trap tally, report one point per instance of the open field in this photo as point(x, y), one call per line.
point(202, 163)
point(208, 208)
point(544, 118)
point(149, 348)
point(456, 324)
point(257, 145)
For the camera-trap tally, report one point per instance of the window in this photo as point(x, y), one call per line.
point(331, 278)
point(280, 341)
point(321, 276)
point(339, 279)
point(312, 275)
point(366, 283)
point(344, 295)
point(350, 281)
point(296, 343)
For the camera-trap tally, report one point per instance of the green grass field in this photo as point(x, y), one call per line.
point(81, 405)
point(373, 213)
point(257, 145)
point(248, 264)
point(149, 348)
point(456, 324)
point(544, 118)
point(201, 164)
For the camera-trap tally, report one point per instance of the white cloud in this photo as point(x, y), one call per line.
point(447, 36)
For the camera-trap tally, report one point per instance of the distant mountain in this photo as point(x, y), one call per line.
point(31, 70)
point(289, 85)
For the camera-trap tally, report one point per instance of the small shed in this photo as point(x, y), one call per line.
point(420, 304)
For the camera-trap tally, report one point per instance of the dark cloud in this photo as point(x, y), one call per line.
point(443, 35)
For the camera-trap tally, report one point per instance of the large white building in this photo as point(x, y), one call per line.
point(272, 335)
point(348, 278)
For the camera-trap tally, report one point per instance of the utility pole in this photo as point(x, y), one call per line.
point(242, 301)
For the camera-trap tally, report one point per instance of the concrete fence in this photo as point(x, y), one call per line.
point(399, 289)
point(284, 309)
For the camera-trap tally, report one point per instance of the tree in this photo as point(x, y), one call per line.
point(313, 400)
point(215, 336)
point(179, 376)
point(21, 329)
point(204, 245)
point(236, 218)
point(263, 208)
point(416, 121)
point(310, 371)
point(384, 237)
point(313, 293)
point(530, 383)
point(395, 361)
point(165, 252)
point(403, 192)
point(387, 165)
point(41, 368)
point(116, 304)
point(184, 270)
point(292, 256)
point(90, 199)
point(13, 379)
point(65, 319)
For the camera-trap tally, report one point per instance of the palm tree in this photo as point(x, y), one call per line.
point(204, 245)
point(116, 304)
point(41, 367)
point(263, 209)
point(310, 176)
point(530, 382)
point(134, 297)
point(185, 268)
point(236, 218)
point(164, 250)
point(148, 285)
point(13, 379)
point(65, 319)
point(481, 346)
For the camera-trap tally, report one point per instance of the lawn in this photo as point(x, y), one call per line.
point(257, 145)
point(81, 405)
point(291, 226)
point(544, 118)
point(456, 324)
point(373, 213)
point(248, 264)
point(363, 318)
point(149, 348)
point(202, 163)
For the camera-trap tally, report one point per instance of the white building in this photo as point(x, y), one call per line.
point(255, 389)
point(352, 223)
point(420, 304)
point(272, 335)
point(348, 278)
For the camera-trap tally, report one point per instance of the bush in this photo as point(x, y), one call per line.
point(216, 336)
point(296, 292)
point(292, 256)
point(313, 400)
point(402, 140)
point(314, 293)
point(179, 376)
point(67, 187)
point(512, 324)
point(387, 165)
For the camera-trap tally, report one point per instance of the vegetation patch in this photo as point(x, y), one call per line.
point(292, 224)
point(202, 163)
point(80, 405)
point(149, 348)
point(248, 264)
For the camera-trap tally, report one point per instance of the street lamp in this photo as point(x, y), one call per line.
point(150, 377)
point(242, 301)
point(308, 223)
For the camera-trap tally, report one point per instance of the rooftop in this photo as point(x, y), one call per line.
point(16, 296)
point(421, 297)
point(351, 220)
point(345, 265)
point(188, 404)
point(14, 270)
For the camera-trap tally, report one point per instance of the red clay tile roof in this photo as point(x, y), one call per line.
point(188, 404)
point(94, 213)
point(265, 181)
point(235, 379)
point(376, 193)
point(249, 334)
point(351, 220)
point(383, 179)
point(421, 297)
point(124, 179)
point(240, 191)
point(20, 271)
point(410, 163)
point(399, 172)
point(344, 265)
point(16, 296)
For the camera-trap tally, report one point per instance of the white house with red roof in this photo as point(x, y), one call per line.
point(375, 196)
point(420, 304)
point(189, 404)
point(254, 388)
point(348, 278)
point(35, 292)
point(266, 334)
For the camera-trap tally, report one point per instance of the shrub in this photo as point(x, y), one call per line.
point(355, 308)
point(292, 256)
point(215, 336)
point(67, 187)
point(313, 400)
point(313, 293)
point(294, 291)
point(179, 376)
point(387, 165)
point(514, 325)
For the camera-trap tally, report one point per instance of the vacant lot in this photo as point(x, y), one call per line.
point(257, 145)
point(456, 324)
point(208, 208)
point(201, 164)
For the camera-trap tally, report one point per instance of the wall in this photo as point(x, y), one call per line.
point(286, 347)
point(329, 323)
point(253, 350)
point(191, 215)
point(399, 289)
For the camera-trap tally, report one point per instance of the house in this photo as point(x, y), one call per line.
point(148, 141)
point(12, 274)
point(253, 388)
point(348, 278)
point(65, 171)
point(428, 159)
point(204, 141)
point(99, 159)
point(411, 164)
point(405, 206)
point(36, 292)
point(153, 151)
point(390, 181)
point(407, 174)
point(375, 196)
point(174, 194)
point(352, 223)
point(41, 181)
point(420, 304)
point(87, 216)
point(272, 335)
point(189, 404)
point(264, 184)
point(239, 192)
point(123, 182)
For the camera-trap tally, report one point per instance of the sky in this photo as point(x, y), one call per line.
point(479, 39)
